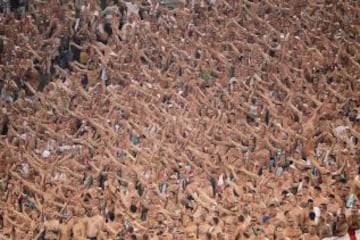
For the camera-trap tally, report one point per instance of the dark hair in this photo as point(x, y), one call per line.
point(102, 180)
point(246, 235)
point(84, 80)
point(130, 229)
point(111, 216)
point(133, 208)
point(312, 215)
point(317, 188)
point(78, 123)
point(146, 236)
point(342, 180)
point(108, 29)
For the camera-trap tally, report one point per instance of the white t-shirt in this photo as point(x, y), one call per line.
point(317, 212)
point(132, 8)
point(339, 131)
point(104, 75)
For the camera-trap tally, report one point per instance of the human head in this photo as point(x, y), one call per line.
point(312, 228)
point(317, 190)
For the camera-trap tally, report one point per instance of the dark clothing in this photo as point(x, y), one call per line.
point(44, 80)
point(15, 4)
point(133, 208)
point(144, 213)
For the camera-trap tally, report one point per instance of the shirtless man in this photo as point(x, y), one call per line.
point(80, 224)
point(292, 231)
point(353, 218)
point(162, 50)
point(312, 234)
point(52, 228)
point(96, 225)
point(65, 229)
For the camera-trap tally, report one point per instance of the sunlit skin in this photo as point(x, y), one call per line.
point(212, 120)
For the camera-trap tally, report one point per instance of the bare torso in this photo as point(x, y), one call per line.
point(95, 225)
point(79, 229)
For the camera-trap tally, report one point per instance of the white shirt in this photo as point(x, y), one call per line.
point(132, 8)
point(339, 131)
point(46, 154)
point(317, 212)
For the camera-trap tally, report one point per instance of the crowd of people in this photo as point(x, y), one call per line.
point(180, 119)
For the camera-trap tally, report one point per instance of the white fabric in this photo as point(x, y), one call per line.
point(60, 176)
point(317, 211)
point(221, 180)
point(46, 154)
point(318, 152)
point(212, 2)
point(23, 136)
point(253, 109)
point(232, 80)
point(100, 28)
point(10, 99)
point(132, 8)
point(25, 169)
point(300, 187)
point(104, 76)
point(339, 131)
point(64, 148)
point(77, 24)
point(231, 83)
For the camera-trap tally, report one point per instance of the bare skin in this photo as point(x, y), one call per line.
point(96, 224)
point(79, 226)
point(221, 108)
